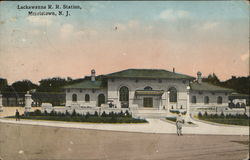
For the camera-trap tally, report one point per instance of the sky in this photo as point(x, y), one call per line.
point(191, 36)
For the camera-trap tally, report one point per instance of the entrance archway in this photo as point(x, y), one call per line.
point(101, 99)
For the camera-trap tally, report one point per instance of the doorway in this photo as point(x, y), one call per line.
point(148, 102)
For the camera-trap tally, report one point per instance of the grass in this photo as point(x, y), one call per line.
point(231, 121)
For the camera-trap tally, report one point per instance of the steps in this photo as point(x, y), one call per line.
point(149, 113)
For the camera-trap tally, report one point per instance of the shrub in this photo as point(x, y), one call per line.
point(121, 114)
point(67, 113)
point(184, 113)
point(104, 114)
point(73, 113)
point(37, 112)
point(205, 114)
point(52, 113)
point(87, 115)
point(96, 114)
point(45, 113)
point(199, 115)
point(222, 115)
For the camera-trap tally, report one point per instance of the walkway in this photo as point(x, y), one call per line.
point(154, 126)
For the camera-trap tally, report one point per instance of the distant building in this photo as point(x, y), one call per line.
point(146, 89)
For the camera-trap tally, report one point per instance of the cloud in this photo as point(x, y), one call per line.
point(35, 32)
point(120, 27)
point(133, 24)
point(45, 21)
point(66, 30)
point(244, 57)
point(86, 32)
point(170, 14)
point(206, 26)
point(148, 28)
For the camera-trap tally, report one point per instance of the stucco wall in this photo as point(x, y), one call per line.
point(212, 100)
point(115, 84)
point(81, 97)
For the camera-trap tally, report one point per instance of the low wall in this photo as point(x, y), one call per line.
point(11, 111)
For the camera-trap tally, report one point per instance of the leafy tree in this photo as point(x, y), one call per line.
point(3, 83)
point(23, 86)
point(52, 84)
point(212, 78)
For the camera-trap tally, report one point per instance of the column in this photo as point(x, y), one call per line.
point(28, 102)
point(188, 106)
point(1, 103)
point(168, 107)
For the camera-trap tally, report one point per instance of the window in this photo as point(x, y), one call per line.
point(219, 100)
point(124, 93)
point(74, 98)
point(172, 94)
point(68, 90)
point(87, 98)
point(193, 100)
point(80, 90)
point(206, 100)
point(160, 81)
point(148, 88)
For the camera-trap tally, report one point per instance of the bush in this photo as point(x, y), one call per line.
point(37, 112)
point(222, 115)
point(67, 113)
point(96, 114)
point(205, 114)
point(199, 115)
point(175, 111)
point(104, 114)
point(73, 113)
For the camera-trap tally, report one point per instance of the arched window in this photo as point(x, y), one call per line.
point(124, 93)
point(148, 88)
point(87, 98)
point(101, 99)
point(193, 100)
point(74, 97)
point(172, 94)
point(219, 100)
point(206, 100)
point(242, 105)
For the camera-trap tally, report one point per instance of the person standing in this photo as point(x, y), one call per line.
point(17, 115)
point(179, 122)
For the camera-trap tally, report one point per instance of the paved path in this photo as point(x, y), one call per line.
point(154, 126)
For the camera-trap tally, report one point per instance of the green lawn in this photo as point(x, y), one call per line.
point(231, 121)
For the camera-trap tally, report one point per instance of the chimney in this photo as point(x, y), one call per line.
point(92, 75)
point(173, 70)
point(199, 79)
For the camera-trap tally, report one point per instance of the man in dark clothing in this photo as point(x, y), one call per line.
point(17, 115)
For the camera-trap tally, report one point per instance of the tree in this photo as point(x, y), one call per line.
point(212, 78)
point(52, 84)
point(3, 83)
point(23, 86)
